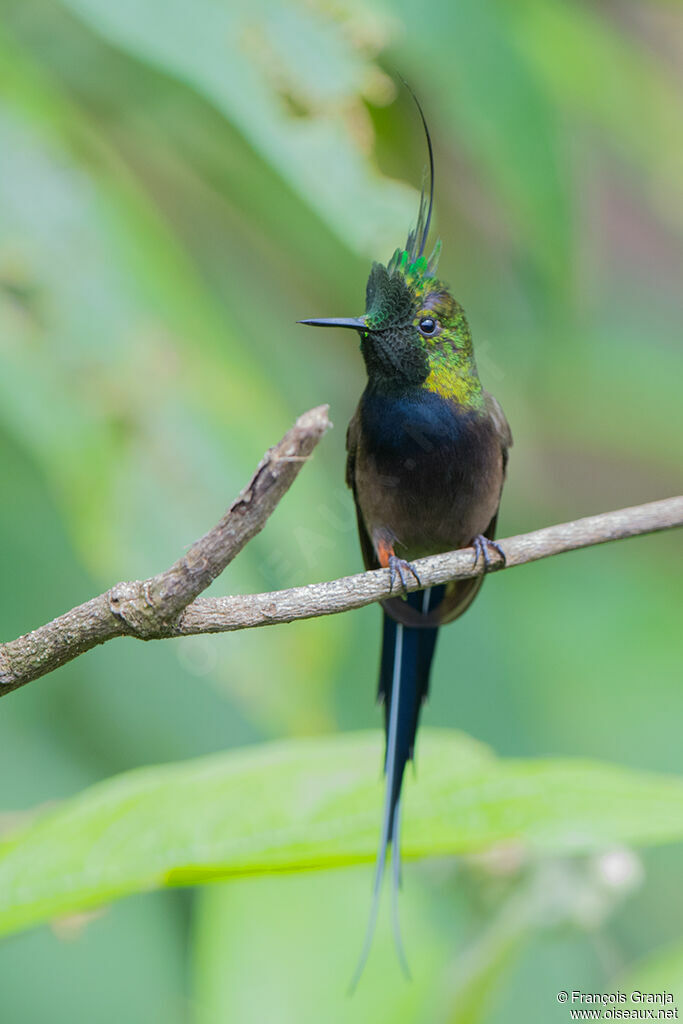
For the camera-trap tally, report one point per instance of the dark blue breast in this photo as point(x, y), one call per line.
point(411, 424)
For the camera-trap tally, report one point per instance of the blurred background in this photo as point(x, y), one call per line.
point(178, 185)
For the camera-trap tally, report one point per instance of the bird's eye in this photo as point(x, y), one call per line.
point(427, 325)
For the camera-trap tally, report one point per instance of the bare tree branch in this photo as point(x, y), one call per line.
point(167, 605)
point(224, 614)
point(148, 609)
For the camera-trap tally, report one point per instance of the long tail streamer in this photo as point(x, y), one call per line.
point(407, 654)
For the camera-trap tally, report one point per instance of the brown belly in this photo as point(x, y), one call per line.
point(434, 500)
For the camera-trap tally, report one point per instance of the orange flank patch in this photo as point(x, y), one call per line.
point(384, 552)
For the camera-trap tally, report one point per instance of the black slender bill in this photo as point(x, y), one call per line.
point(357, 323)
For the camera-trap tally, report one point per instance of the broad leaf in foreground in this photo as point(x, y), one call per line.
point(312, 804)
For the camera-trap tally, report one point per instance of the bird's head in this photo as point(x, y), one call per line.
point(413, 332)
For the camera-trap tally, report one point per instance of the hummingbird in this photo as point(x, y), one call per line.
point(427, 452)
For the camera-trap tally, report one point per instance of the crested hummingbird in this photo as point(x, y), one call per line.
point(427, 451)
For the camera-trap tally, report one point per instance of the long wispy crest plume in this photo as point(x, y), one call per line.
point(419, 236)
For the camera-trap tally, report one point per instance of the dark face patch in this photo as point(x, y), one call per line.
point(392, 357)
point(391, 347)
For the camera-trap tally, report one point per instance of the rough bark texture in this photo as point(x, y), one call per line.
point(149, 609)
point(167, 605)
point(222, 614)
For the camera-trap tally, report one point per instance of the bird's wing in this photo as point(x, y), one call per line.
point(499, 420)
point(398, 609)
point(352, 435)
point(351, 448)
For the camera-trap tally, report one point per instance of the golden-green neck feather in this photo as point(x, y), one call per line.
point(452, 367)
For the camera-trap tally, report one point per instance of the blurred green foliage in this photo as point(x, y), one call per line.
point(178, 185)
point(307, 805)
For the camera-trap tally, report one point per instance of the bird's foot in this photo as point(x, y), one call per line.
point(482, 546)
point(398, 567)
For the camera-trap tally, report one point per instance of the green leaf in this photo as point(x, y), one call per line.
point(311, 804)
point(292, 83)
